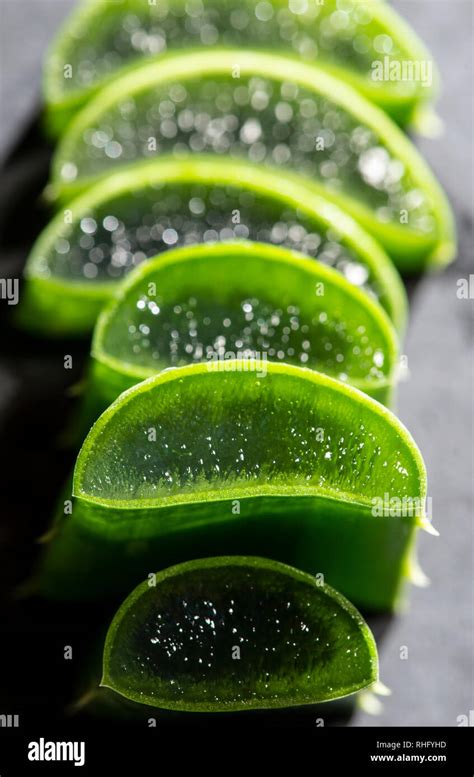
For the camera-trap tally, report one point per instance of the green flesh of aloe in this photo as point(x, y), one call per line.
point(78, 262)
point(278, 112)
point(212, 303)
point(290, 465)
point(102, 39)
point(236, 633)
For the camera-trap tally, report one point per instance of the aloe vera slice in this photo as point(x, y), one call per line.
point(278, 112)
point(211, 303)
point(290, 465)
point(86, 250)
point(102, 39)
point(237, 633)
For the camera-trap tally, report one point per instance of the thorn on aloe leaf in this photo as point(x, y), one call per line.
point(425, 524)
point(415, 574)
point(82, 701)
point(368, 702)
point(380, 689)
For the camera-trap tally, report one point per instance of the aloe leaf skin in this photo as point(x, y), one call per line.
point(105, 704)
point(174, 644)
point(101, 40)
point(128, 510)
point(72, 272)
point(309, 123)
point(54, 309)
point(366, 558)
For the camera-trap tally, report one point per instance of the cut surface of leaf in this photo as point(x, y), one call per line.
point(118, 463)
point(236, 633)
point(278, 112)
point(310, 463)
point(101, 39)
point(77, 262)
point(212, 303)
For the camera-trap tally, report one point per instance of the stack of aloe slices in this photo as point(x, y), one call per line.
point(263, 107)
point(226, 202)
point(103, 40)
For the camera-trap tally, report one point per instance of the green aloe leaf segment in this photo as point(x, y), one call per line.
point(213, 303)
point(79, 260)
point(236, 633)
point(293, 464)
